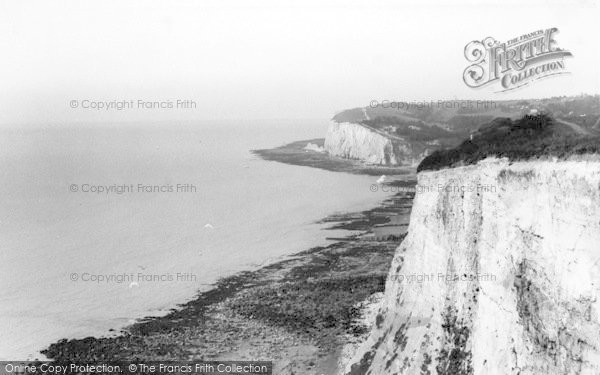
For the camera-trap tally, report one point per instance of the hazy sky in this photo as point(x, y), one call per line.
point(266, 59)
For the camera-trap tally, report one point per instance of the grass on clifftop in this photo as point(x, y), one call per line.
point(532, 136)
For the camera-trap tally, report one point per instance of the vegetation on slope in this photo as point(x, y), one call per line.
point(529, 137)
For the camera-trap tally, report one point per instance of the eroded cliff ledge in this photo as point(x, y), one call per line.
point(499, 274)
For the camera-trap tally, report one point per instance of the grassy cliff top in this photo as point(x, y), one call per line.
point(531, 136)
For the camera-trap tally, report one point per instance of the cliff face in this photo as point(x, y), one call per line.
point(499, 274)
point(353, 141)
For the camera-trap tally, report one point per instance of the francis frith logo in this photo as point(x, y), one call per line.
point(514, 63)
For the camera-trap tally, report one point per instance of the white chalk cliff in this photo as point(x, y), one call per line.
point(499, 274)
point(354, 141)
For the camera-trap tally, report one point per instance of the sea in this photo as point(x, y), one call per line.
point(106, 223)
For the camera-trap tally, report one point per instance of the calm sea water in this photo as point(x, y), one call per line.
point(154, 249)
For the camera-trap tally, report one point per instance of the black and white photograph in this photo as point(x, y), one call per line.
point(300, 187)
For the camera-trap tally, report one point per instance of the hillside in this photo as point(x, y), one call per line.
point(463, 116)
point(531, 136)
point(404, 133)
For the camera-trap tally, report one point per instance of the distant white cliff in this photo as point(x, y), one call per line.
point(499, 274)
point(354, 141)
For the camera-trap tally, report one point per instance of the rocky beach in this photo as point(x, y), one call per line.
point(307, 313)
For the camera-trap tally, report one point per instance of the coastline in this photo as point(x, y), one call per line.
point(306, 313)
point(295, 153)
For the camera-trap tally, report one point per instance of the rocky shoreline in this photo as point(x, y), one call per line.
point(306, 313)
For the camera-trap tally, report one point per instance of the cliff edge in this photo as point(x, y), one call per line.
point(500, 270)
point(355, 141)
point(499, 274)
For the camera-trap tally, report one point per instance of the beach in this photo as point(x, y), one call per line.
point(307, 313)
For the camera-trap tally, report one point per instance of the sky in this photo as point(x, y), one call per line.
point(266, 59)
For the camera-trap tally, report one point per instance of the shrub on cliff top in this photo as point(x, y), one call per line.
point(529, 137)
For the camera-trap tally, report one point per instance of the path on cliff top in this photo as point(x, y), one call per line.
point(597, 125)
point(378, 131)
point(382, 133)
point(577, 128)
